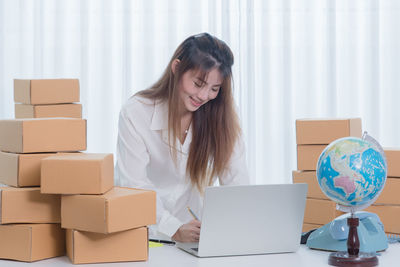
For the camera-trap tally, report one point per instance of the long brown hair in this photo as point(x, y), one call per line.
point(215, 124)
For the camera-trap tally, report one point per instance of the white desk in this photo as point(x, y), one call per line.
point(171, 256)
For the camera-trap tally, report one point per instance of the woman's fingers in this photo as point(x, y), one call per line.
point(195, 223)
point(189, 232)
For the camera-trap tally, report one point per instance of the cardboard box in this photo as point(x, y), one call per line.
point(310, 178)
point(42, 135)
point(27, 205)
point(308, 155)
point(320, 211)
point(31, 242)
point(393, 161)
point(49, 91)
point(390, 194)
point(117, 210)
point(310, 226)
point(389, 215)
point(21, 169)
point(86, 247)
point(83, 173)
point(48, 111)
point(324, 131)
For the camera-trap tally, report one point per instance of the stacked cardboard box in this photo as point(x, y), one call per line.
point(104, 223)
point(30, 227)
point(312, 136)
point(387, 206)
point(47, 98)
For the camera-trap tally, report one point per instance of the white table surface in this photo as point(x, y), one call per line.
point(172, 256)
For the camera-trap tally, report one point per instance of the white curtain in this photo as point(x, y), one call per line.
point(293, 59)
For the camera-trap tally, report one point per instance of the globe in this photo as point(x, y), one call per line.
point(352, 172)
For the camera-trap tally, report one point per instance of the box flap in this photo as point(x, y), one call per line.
point(131, 209)
point(24, 111)
point(11, 136)
point(83, 212)
point(9, 163)
point(69, 242)
point(130, 245)
point(62, 135)
point(54, 91)
point(22, 91)
point(15, 242)
point(48, 241)
point(27, 205)
point(79, 173)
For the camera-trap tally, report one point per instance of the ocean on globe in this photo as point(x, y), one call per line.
point(352, 171)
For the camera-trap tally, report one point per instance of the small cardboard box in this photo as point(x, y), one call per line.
point(48, 111)
point(42, 135)
point(117, 210)
point(320, 211)
point(389, 215)
point(310, 178)
point(81, 173)
point(27, 205)
point(48, 91)
point(86, 247)
point(390, 194)
point(308, 155)
point(21, 170)
point(31, 242)
point(393, 161)
point(310, 226)
point(324, 131)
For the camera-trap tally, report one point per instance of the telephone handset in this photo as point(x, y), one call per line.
point(333, 236)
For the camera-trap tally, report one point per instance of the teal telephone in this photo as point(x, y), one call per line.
point(333, 236)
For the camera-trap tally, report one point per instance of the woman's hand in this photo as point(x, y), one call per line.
point(189, 232)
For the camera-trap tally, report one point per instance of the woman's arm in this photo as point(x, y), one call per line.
point(132, 160)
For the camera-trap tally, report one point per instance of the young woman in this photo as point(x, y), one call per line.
point(183, 134)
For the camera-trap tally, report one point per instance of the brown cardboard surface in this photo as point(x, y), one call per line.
point(308, 155)
point(48, 111)
point(117, 210)
point(324, 131)
point(310, 226)
point(310, 178)
point(393, 161)
point(320, 211)
point(21, 169)
point(389, 215)
point(31, 242)
point(48, 91)
point(81, 173)
point(28, 205)
point(390, 194)
point(86, 247)
point(42, 135)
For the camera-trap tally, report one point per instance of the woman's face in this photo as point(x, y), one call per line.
point(195, 92)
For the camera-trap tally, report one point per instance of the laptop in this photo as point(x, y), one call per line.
point(250, 219)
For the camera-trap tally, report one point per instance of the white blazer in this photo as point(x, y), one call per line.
point(144, 161)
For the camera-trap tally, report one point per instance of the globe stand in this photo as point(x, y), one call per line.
point(353, 256)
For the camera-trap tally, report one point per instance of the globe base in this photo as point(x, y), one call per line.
point(342, 258)
point(353, 256)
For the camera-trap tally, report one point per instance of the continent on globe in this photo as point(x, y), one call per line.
point(352, 171)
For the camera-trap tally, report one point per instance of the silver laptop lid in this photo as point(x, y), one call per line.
point(252, 219)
